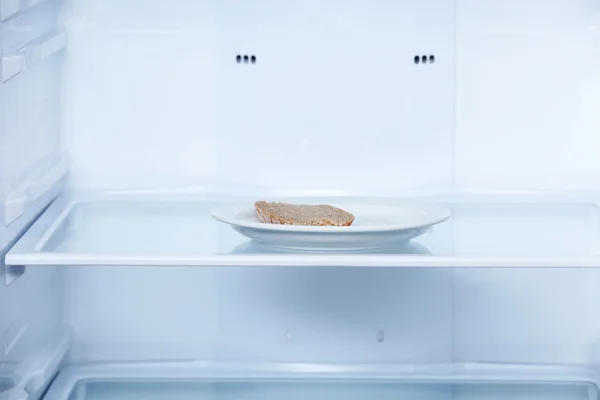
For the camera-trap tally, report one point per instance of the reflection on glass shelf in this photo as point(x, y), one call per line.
point(315, 390)
point(250, 247)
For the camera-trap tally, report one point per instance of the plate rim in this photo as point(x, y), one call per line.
point(440, 213)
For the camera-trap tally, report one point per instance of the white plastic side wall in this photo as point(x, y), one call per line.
point(32, 307)
point(30, 100)
point(31, 324)
point(335, 101)
point(527, 315)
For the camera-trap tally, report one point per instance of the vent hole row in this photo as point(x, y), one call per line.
point(424, 59)
point(245, 59)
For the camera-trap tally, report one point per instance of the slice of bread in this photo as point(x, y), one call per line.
point(308, 215)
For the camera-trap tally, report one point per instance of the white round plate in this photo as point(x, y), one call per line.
point(379, 223)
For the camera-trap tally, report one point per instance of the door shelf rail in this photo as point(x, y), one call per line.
point(26, 57)
point(42, 178)
point(10, 9)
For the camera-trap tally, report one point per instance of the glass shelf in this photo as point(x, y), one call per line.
point(320, 382)
point(325, 391)
point(493, 232)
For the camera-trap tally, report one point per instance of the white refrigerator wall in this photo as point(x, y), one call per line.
point(31, 308)
point(140, 93)
point(30, 96)
point(335, 315)
point(154, 99)
point(31, 321)
point(527, 94)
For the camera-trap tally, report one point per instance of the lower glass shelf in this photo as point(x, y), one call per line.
point(315, 390)
point(301, 382)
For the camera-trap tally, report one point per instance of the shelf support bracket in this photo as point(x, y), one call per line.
point(10, 273)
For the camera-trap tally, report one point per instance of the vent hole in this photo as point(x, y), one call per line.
point(253, 59)
point(245, 59)
point(424, 59)
point(238, 59)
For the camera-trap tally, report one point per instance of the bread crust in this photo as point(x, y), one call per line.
point(266, 217)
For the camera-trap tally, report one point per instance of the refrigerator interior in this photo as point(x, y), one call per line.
point(140, 115)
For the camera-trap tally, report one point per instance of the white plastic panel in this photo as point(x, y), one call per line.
point(335, 315)
point(335, 98)
point(30, 103)
point(32, 337)
point(527, 315)
point(140, 93)
point(331, 87)
point(29, 127)
point(528, 90)
point(152, 314)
